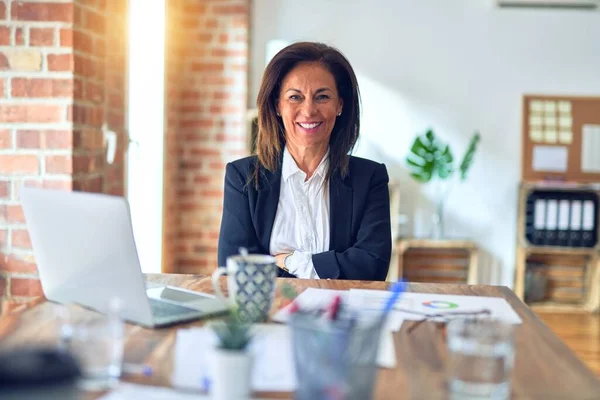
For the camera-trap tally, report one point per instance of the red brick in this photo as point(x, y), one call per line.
point(19, 164)
point(21, 239)
point(93, 92)
point(25, 287)
point(14, 214)
point(16, 264)
point(34, 87)
point(207, 67)
point(41, 36)
point(29, 140)
point(4, 36)
point(2, 10)
point(42, 12)
point(2, 283)
point(2, 88)
point(31, 113)
point(95, 22)
point(52, 139)
point(5, 139)
point(4, 189)
point(82, 42)
point(234, 9)
point(60, 62)
point(58, 139)
point(19, 37)
point(59, 165)
point(66, 37)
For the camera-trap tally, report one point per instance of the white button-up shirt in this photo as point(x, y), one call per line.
point(302, 219)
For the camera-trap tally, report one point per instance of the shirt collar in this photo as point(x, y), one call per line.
point(289, 166)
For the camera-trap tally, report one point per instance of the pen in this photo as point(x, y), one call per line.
point(335, 307)
point(397, 289)
point(138, 369)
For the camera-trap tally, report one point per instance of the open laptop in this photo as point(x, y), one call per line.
point(86, 254)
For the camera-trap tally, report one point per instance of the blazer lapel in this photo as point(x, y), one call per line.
point(340, 221)
point(266, 205)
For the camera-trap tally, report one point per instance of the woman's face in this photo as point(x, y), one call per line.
point(308, 104)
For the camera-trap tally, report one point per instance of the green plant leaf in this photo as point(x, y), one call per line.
point(467, 160)
point(429, 157)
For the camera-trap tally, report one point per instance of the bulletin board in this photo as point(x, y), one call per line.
point(561, 139)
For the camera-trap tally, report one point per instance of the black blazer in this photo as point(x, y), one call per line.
point(360, 236)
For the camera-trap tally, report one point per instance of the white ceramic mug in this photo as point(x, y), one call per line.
point(251, 284)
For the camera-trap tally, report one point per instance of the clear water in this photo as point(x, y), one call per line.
point(100, 358)
point(479, 371)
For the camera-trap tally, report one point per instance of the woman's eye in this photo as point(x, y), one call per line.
point(322, 97)
point(294, 97)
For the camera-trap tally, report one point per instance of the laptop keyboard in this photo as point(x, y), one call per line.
point(161, 309)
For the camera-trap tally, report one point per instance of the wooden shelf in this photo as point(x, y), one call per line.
point(567, 268)
point(435, 260)
point(560, 250)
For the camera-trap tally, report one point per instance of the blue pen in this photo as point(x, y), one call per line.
point(396, 289)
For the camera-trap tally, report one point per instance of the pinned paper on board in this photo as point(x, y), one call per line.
point(561, 139)
point(550, 158)
point(590, 148)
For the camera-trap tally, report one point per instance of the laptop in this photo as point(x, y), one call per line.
point(86, 254)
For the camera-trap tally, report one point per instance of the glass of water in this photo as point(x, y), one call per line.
point(481, 358)
point(96, 342)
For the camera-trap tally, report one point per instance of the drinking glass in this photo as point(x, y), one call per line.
point(481, 358)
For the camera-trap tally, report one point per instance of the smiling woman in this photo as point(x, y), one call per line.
point(303, 199)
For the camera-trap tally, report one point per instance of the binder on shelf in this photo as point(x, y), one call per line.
point(551, 238)
point(564, 208)
point(575, 224)
point(588, 224)
point(539, 222)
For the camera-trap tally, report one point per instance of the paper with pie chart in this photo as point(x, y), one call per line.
point(434, 304)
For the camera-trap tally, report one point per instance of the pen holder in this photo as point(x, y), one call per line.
point(335, 359)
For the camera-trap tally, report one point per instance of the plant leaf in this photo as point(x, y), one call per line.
point(428, 157)
point(467, 160)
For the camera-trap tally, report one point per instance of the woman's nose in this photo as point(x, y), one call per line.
point(309, 108)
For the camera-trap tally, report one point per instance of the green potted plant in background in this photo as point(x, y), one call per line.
point(431, 160)
point(232, 358)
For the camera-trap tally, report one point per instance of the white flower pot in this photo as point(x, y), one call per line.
point(231, 375)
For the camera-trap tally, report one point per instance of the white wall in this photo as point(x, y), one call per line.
point(457, 66)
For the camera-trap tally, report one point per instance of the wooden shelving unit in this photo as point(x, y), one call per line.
point(436, 261)
point(573, 273)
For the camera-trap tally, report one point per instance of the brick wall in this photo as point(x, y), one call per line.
point(207, 90)
point(53, 101)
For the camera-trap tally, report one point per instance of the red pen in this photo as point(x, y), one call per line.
point(335, 307)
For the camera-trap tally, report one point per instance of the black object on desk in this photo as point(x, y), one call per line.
point(38, 373)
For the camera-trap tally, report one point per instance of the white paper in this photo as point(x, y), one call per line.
point(550, 158)
point(539, 214)
point(129, 391)
point(313, 298)
point(575, 215)
point(589, 217)
point(499, 308)
point(563, 215)
point(552, 215)
point(590, 148)
point(273, 368)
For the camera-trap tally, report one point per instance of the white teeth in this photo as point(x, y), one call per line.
point(310, 126)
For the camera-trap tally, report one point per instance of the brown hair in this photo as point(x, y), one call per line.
point(271, 133)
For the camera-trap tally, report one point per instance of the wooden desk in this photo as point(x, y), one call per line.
point(545, 368)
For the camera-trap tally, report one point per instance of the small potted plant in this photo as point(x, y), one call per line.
point(232, 358)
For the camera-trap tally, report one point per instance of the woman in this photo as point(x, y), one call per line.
point(302, 198)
